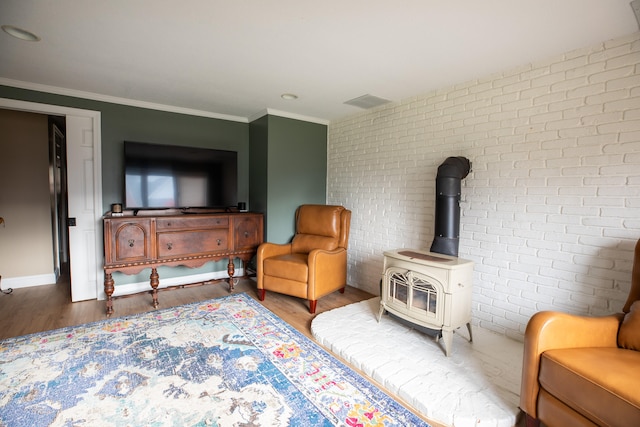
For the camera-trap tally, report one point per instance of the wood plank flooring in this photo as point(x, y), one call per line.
point(47, 307)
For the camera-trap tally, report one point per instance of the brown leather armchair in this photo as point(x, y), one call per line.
point(314, 264)
point(584, 371)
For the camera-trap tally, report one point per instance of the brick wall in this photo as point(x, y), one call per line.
point(551, 209)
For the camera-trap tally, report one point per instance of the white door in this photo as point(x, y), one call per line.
point(85, 194)
point(82, 214)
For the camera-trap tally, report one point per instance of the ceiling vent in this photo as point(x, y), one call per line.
point(367, 101)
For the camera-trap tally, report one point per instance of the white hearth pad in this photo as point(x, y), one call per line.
point(478, 385)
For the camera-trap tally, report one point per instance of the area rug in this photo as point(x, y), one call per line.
point(223, 362)
point(478, 385)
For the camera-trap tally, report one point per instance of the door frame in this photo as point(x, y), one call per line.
point(95, 117)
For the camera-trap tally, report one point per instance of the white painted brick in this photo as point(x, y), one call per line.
point(597, 119)
point(630, 39)
point(569, 64)
point(550, 211)
point(610, 52)
point(548, 80)
point(577, 132)
point(518, 86)
point(535, 93)
point(609, 96)
point(570, 84)
point(579, 112)
point(633, 114)
point(630, 140)
point(625, 82)
point(565, 104)
point(613, 73)
point(586, 70)
point(535, 71)
point(588, 90)
point(546, 117)
point(518, 105)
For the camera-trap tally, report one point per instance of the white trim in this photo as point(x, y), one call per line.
point(284, 114)
point(34, 107)
point(117, 100)
point(134, 288)
point(28, 281)
point(95, 116)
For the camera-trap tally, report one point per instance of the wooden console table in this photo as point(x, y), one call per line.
point(133, 243)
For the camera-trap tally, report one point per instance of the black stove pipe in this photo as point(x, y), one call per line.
point(447, 226)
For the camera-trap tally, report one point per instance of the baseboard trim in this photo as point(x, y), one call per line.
point(134, 288)
point(28, 281)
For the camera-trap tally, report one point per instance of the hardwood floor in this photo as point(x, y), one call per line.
point(42, 308)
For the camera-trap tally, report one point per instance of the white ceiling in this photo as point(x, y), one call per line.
point(236, 58)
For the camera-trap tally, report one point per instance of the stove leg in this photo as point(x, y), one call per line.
point(447, 337)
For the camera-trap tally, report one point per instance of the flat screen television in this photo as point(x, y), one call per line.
point(170, 176)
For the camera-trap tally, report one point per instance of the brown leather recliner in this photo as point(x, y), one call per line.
point(584, 371)
point(314, 264)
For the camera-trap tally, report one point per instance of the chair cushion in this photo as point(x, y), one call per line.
point(305, 243)
point(599, 383)
point(317, 227)
point(288, 266)
point(629, 333)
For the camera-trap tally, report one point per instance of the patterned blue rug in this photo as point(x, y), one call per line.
point(223, 362)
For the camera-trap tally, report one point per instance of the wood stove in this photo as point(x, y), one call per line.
point(428, 289)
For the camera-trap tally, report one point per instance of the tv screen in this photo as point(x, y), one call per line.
point(169, 176)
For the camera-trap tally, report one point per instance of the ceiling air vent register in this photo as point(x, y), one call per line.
point(367, 101)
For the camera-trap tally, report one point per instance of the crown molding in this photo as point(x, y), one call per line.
point(272, 112)
point(117, 100)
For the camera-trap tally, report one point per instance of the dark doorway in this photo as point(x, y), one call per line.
point(59, 196)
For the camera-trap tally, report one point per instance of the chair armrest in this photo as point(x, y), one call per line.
point(548, 330)
point(268, 250)
point(327, 272)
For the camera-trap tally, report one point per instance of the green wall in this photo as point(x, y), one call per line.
point(291, 170)
point(258, 147)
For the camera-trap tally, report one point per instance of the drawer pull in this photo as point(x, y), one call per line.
point(219, 242)
point(131, 242)
point(246, 234)
point(169, 246)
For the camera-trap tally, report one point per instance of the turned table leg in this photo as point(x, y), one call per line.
point(108, 289)
point(155, 281)
point(231, 269)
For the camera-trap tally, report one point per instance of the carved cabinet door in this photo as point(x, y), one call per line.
point(131, 240)
point(248, 232)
